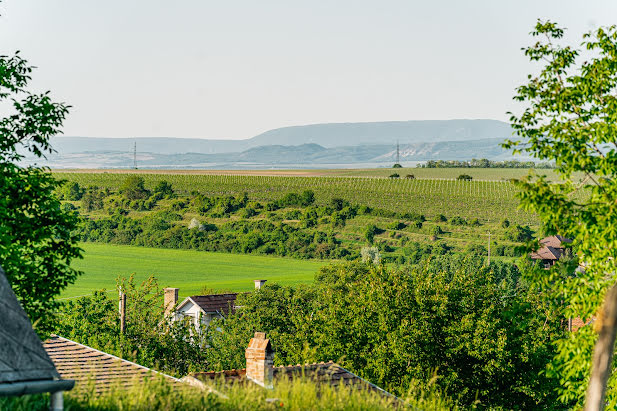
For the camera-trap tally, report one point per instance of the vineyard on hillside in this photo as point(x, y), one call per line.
point(489, 201)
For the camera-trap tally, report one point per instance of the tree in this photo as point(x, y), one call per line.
point(133, 188)
point(569, 119)
point(477, 326)
point(36, 235)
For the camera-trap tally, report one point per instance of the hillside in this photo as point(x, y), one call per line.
point(326, 135)
point(289, 156)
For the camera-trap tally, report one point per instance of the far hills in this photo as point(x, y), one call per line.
point(316, 145)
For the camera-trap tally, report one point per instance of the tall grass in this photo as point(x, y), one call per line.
point(299, 394)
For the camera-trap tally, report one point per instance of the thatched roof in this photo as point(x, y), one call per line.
point(22, 356)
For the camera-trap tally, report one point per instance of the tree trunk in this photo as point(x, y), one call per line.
point(603, 354)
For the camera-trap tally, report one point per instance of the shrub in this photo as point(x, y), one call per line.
point(410, 176)
point(440, 218)
point(394, 175)
point(456, 220)
point(465, 177)
point(396, 225)
point(436, 231)
point(505, 223)
point(133, 188)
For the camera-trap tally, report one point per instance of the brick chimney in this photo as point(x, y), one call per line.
point(259, 283)
point(259, 360)
point(170, 300)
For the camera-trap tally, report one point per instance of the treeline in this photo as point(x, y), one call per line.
point(476, 328)
point(483, 163)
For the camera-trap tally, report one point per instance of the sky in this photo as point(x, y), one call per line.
point(233, 69)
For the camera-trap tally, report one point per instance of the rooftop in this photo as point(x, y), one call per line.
point(87, 365)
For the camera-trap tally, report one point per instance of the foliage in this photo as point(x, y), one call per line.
point(569, 119)
point(483, 163)
point(476, 325)
point(36, 239)
point(370, 255)
point(172, 347)
point(464, 177)
point(486, 200)
point(133, 188)
point(394, 175)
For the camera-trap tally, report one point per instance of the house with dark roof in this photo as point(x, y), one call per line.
point(25, 367)
point(553, 248)
point(201, 309)
point(97, 370)
point(261, 371)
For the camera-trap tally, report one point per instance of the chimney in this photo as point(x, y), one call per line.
point(259, 360)
point(259, 283)
point(170, 300)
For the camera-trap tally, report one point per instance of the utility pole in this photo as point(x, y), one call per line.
point(135, 155)
point(122, 310)
point(489, 248)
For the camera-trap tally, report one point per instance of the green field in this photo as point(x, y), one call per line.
point(185, 269)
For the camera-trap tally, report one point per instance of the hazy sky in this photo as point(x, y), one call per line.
point(233, 69)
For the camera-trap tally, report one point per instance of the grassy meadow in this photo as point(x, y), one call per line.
point(185, 269)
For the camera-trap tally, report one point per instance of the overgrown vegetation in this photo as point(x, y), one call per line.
point(294, 225)
point(475, 326)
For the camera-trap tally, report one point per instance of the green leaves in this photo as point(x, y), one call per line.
point(36, 240)
point(570, 119)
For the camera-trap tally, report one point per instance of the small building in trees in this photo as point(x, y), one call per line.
point(201, 309)
point(553, 248)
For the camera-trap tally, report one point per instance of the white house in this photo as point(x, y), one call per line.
point(201, 309)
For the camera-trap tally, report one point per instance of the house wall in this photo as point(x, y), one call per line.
point(194, 311)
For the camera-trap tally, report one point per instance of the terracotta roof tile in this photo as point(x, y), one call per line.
point(215, 303)
point(86, 365)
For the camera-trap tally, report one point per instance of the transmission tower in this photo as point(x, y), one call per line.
point(397, 154)
point(135, 155)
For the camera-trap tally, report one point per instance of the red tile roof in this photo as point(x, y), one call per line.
point(547, 253)
point(555, 241)
point(215, 303)
point(86, 365)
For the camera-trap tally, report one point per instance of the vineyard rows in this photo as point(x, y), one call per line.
point(489, 201)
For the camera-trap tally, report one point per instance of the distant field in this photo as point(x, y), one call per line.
point(490, 197)
point(448, 173)
point(185, 269)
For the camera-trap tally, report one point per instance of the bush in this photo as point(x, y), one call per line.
point(519, 233)
point(505, 223)
point(440, 218)
point(133, 188)
point(397, 165)
point(410, 176)
point(456, 220)
point(464, 177)
point(394, 175)
point(436, 231)
point(396, 225)
point(370, 232)
point(71, 191)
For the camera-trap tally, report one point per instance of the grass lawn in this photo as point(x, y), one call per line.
point(185, 269)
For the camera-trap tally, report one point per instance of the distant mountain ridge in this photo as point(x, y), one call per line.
point(326, 135)
point(282, 156)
